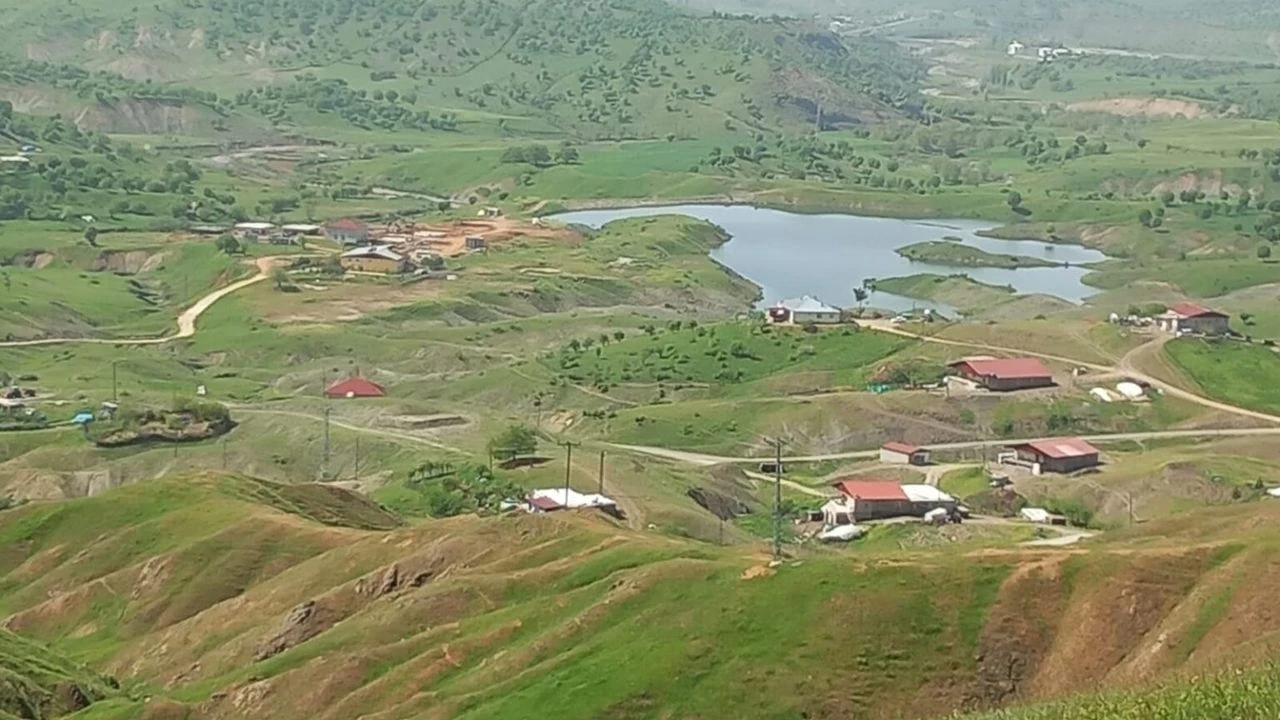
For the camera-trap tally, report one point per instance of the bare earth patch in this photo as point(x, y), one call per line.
point(1135, 107)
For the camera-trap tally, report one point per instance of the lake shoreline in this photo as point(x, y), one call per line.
point(825, 255)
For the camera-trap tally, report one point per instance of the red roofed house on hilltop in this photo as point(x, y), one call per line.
point(902, 453)
point(355, 387)
point(1060, 455)
point(1190, 317)
point(347, 231)
point(1003, 373)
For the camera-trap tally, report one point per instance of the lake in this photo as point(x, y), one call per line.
point(791, 254)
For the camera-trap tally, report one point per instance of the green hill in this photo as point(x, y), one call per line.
point(37, 683)
point(632, 69)
point(227, 598)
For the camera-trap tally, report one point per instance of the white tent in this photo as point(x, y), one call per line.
point(842, 533)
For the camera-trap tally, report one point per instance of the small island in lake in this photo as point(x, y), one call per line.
point(939, 252)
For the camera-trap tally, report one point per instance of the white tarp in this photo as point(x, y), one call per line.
point(1102, 394)
point(1130, 390)
point(926, 493)
point(842, 533)
point(575, 498)
point(1274, 492)
point(1035, 515)
point(935, 515)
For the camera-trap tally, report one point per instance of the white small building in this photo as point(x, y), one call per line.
point(253, 229)
point(1016, 47)
point(296, 230)
point(804, 310)
point(553, 499)
point(1040, 516)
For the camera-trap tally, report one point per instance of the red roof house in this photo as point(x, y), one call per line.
point(347, 231)
point(1004, 373)
point(900, 452)
point(1058, 454)
point(355, 387)
point(1190, 317)
point(869, 500)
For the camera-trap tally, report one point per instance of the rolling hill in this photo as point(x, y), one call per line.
point(223, 597)
point(601, 69)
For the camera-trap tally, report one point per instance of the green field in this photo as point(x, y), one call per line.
point(1233, 372)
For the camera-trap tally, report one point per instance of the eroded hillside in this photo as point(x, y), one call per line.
point(237, 599)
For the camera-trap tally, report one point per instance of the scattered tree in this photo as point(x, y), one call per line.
point(228, 244)
point(91, 236)
point(1264, 251)
point(515, 441)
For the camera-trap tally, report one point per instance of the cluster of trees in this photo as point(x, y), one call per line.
point(385, 110)
point(540, 155)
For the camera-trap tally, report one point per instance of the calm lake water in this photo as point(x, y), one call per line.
point(790, 254)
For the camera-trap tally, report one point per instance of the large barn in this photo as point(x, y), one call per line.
point(1060, 455)
point(876, 499)
point(355, 387)
point(1003, 374)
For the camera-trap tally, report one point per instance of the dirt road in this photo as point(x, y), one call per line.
point(186, 321)
point(703, 459)
point(1128, 369)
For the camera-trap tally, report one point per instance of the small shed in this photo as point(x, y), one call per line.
point(475, 242)
point(903, 454)
point(355, 387)
point(253, 230)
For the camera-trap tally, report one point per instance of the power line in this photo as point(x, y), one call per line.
point(777, 444)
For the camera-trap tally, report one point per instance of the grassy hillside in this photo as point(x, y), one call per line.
point(37, 683)
point(196, 593)
point(598, 69)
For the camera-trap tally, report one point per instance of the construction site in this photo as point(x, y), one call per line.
point(418, 240)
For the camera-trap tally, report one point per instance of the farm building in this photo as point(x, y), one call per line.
point(1060, 455)
point(804, 311)
point(553, 499)
point(253, 230)
point(355, 387)
point(299, 230)
point(347, 231)
point(875, 499)
point(903, 454)
point(1003, 374)
point(374, 258)
point(1189, 317)
point(475, 242)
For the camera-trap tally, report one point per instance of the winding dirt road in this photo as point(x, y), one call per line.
point(186, 321)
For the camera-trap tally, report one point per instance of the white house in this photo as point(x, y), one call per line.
point(1016, 47)
point(553, 499)
point(253, 229)
point(803, 311)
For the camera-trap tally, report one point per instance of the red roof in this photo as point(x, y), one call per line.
point(1190, 310)
point(355, 387)
point(901, 448)
point(1058, 448)
point(871, 489)
point(348, 224)
point(544, 503)
point(1006, 368)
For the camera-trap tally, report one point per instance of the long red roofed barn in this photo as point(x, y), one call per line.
point(1190, 317)
point(1060, 455)
point(877, 499)
point(1003, 374)
point(355, 387)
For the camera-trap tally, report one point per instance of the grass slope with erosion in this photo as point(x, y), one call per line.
point(38, 683)
point(223, 597)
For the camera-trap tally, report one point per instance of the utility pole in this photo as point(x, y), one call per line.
point(600, 489)
point(568, 467)
point(357, 468)
point(1129, 498)
point(224, 453)
point(324, 462)
point(777, 498)
point(115, 397)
